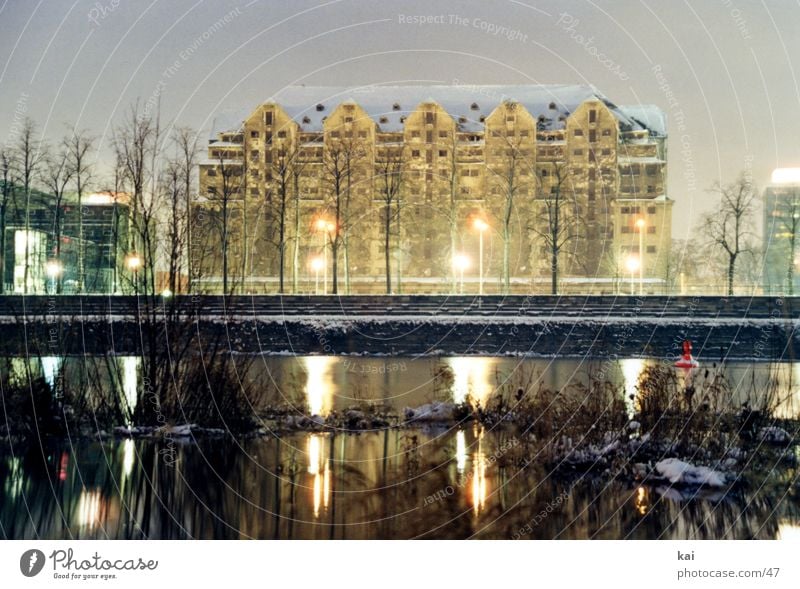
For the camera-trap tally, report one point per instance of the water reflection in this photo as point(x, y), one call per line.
point(631, 370)
point(461, 451)
point(376, 487)
point(474, 377)
point(319, 383)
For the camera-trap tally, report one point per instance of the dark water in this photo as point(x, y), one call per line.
point(445, 483)
point(378, 485)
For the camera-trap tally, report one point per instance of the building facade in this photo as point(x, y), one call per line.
point(435, 183)
point(781, 232)
point(68, 248)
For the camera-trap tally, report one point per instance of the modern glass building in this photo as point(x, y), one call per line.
point(782, 232)
point(51, 247)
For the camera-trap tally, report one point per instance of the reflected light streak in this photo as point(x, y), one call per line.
point(473, 377)
point(130, 381)
point(91, 508)
point(461, 451)
point(479, 487)
point(631, 373)
point(50, 367)
point(319, 383)
point(128, 457)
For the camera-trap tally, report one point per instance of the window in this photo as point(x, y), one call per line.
point(443, 134)
point(605, 151)
point(651, 188)
point(606, 132)
point(524, 133)
point(254, 134)
point(578, 132)
point(415, 134)
point(335, 134)
point(651, 249)
point(651, 210)
point(592, 135)
point(429, 136)
point(362, 134)
point(254, 192)
point(577, 152)
point(415, 153)
point(254, 155)
point(212, 189)
point(281, 134)
point(465, 172)
point(625, 210)
point(625, 229)
point(428, 156)
point(320, 108)
point(651, 229)
point(545, 173)
point(428, 118)
point(442, 153)
point(592, 173)
point(268, 118)
point(212, 172)
point(592, 116)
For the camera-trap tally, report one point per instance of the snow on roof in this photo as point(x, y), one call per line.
point(639, 160)
point(648, 116)
point(467, 104)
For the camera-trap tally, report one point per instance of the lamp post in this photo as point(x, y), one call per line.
point(461, 263)
point(640, 225)
point(632, 264)
point(480, 225)
point(53, 269)
point(323, 226)
point(133, 263)
point(317, 264)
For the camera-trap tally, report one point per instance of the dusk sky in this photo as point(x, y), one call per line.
point(723, 71)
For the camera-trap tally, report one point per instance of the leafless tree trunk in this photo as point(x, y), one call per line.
point(28, 156)
point(726, 228)
point(79, 146)
point(389, 166)
point(6, 194)
point(186, 142)
point(56, 175)
point(556, 220)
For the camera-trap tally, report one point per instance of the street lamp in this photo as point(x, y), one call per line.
point(461, 263)
point(133, 262)
point(323, 226)
point(317, 264)
point(640, 225)
point(53, 269)
point(480, 226)
point(632, 264)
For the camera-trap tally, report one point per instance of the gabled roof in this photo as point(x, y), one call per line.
point(467, 104)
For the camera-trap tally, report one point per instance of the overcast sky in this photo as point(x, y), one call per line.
point(723, 70)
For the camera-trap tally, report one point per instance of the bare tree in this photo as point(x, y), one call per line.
point(453, 186)
point(508, 177)
point(284, 186)
point(56, 175)
point(6, 195)
point(79, 147)
point(726, 228)
point(336, 163)
point(224, 195)
point(28, 156)
point(172, 186)
point(186, 142)
point(556, 219)
point(390, 167)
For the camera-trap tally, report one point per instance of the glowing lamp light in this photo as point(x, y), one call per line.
point(317, 264)
point(786, 176)
point(640, 223)
point(480, 224)
point(133, 262)
point(632, 264)
point(166, 293)
point(53, 269)
point(461, 262)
